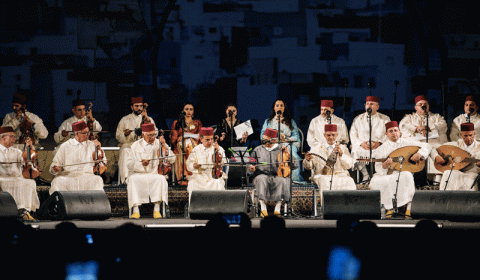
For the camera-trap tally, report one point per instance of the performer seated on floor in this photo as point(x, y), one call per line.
point(268, 185)
point(200, 163)
point(23, 191)
point(144, 184)
point(338, 160)
point(458, 179)
point(73, 164)
point(385, 178)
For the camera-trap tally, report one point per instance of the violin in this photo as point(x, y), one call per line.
point(283, 167)
point(30, 168)
point(164, 167)
point(100, 166)
point(217, 170)
point(26, 129)
point(89, 122)
point(145, 119)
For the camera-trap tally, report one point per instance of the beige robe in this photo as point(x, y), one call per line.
point(41, 131)
point(316, 129)
point(67, 126)
point(455, 129)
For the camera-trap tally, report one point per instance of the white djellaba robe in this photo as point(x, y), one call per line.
point(323, 174)
point(461, 180)
point(144, 184)
point(436, 123)
point(41, 131)
point(455, 128)
point(79, 177)
point(67, 126)
point(23, 191)
point(202, 178)
point(387, 183)
point(130, 121)
point(316, 129)
point(360, 132)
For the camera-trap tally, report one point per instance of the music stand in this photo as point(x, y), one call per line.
point(239, 154)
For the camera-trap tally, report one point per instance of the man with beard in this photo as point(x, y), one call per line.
point(126, 135)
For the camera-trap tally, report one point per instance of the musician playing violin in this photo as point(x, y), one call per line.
point(461, 179)
point(73, 162)
point(23, 191)
point(332, 157)
point(144, 183)
point(268, 185)
point(24, 123)
point(201, 162)
point(385, 178)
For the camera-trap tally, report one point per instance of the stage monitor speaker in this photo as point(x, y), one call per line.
point(82, 205)
point(446, 205)
point(8, 207)
point(358, 204)
point(206, 204)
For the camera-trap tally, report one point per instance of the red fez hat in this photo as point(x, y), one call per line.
point(420, 98)
point(137, 100)
point(78, 102)
point(78, 126)
point(272, 133)
point(467, 127)
point(326, 103)
point(372, 99)
point(19, 98)
point(206, 131)
point(5, 129)
point(391, 124)
point(330, 128)
point(148, 127)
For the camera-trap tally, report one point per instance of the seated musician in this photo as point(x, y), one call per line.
point(316, 131)
point(471, 115)
point(268, 185)
point(65, 131)
point(200, 163)
point(23, 191)
point(126, 135)
point(144, 183)
point(337, 156)
point(23, 121)
point(385, 178)
point(414, 126)
point(457, 179)
point(73, 163)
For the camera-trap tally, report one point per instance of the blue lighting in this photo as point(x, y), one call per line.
point(82, 270)
point(342, 264)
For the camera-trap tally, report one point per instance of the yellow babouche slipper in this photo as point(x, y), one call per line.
point(157, 215)
point(264, 213)
point(135, 215)
point(276, 213)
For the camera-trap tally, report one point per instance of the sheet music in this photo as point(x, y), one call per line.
point(241, 128)
point(431, 135)
point(191, 135)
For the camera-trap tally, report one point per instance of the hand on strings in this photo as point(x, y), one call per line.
point(386, 164)
point(89, 115)
point(57, 169)
point(29, 142)
point(97, 143)
point(64, 133)
point(439, 159)
point(161, 139)
point(308, 156)
point(127, 132)
point(416, 157)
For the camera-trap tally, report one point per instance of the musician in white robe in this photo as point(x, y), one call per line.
point(337, 156)
point(268, 185)
point(65, 131)
point(414, 127)
point(73, 163)
point(23, 191)
point(457, 179)
point(126, 135)
point(385, 178)
point(471, 115)
point(144, 183)
point(200, 163)
point(21, 115)
point(316, 131)
point(360, 132)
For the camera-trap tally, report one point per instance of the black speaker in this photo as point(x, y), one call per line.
point(359, 204)
point(83, 205)
point(205, 205)
point(237, 176)
point(446, 205)
point(8, 207)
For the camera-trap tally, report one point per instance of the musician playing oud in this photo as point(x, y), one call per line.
point(385, 178)
point(270, 186)
point(74, 163)
point(23, 191)
point(144, 184)
point(24, 122)
point(338, 161)
point(458, 179)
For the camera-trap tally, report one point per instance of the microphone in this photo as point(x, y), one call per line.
point(369, 111)
point(471, 110)
point(424, 108)
point(396, 83)
point(279, 112)
point(230, 113)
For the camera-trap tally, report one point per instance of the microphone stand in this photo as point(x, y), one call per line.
point(243, 164)
point(183, 124)
point(424, 108)
point(446, 182)
point(230, 114)
point(401, 159)
point(394, 99)
point(370, 170)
